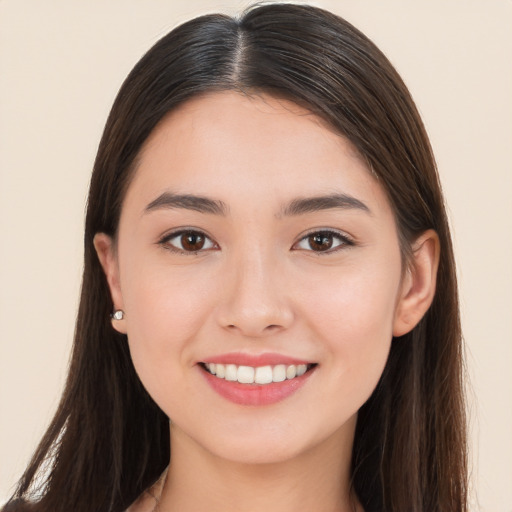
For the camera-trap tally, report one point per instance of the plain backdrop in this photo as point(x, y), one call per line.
point(61, 64)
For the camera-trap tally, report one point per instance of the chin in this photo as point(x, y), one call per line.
point(277, 442)
point(261, 452)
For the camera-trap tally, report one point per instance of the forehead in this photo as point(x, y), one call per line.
point(228, 143)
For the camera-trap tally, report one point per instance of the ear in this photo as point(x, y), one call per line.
point(105, 250)
point(419, 283)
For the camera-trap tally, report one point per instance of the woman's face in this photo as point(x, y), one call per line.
point(254, 239)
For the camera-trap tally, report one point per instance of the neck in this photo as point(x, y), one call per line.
point(318, 479)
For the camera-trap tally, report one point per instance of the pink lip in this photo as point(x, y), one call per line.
point(244, 359)
point(254, 394)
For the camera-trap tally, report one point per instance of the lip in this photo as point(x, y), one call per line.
point(265, 359)
point(255, 394)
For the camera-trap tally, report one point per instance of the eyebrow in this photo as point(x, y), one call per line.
point(301, 206)
point(169, 200)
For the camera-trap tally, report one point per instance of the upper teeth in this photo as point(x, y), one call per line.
point(258, 375)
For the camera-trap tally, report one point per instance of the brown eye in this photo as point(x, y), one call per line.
point(192, 241)
point(323, 241)
point(188, 241)
point(320, 241)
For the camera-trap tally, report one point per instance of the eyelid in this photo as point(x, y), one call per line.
point(347, 240)
point(164, 240)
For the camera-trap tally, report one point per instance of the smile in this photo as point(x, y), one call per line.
point(262, 383)
point(260, 375)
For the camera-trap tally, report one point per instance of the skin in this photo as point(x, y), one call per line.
point(259, 285)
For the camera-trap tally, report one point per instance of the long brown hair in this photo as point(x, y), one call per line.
point(109, 441)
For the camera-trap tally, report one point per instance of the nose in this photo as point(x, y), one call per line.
point(255, 297)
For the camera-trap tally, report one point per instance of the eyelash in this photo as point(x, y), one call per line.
point(166, 239)
point(344, 241)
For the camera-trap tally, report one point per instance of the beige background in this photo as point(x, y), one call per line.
point(61, 64)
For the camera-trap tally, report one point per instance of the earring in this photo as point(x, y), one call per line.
point(118, 314)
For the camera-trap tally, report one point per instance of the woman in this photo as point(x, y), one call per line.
point(269, 290)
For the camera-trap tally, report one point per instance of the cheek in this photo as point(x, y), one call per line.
point(165, 310)
point(355, 322)
point(357, 303)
